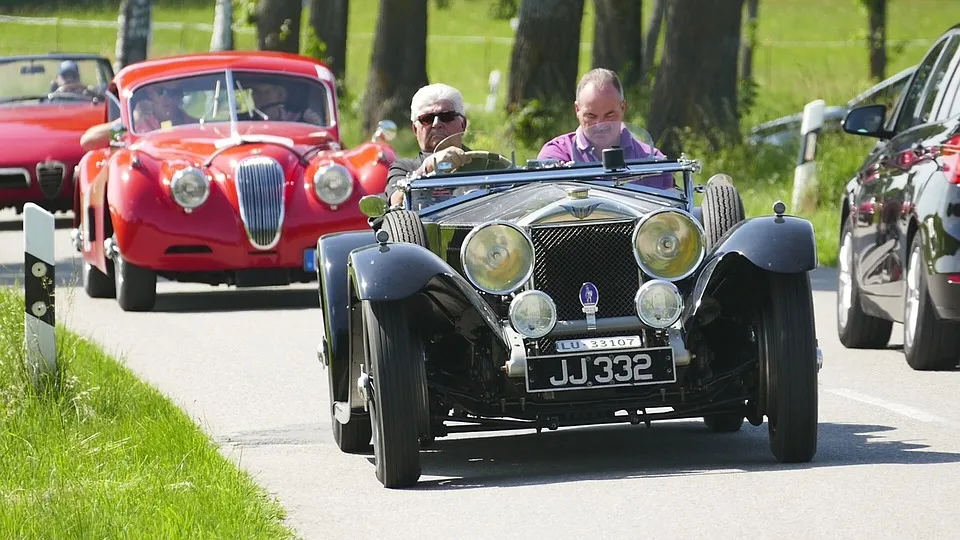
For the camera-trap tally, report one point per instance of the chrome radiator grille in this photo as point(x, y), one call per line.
point(260, 193)
point(568, 256)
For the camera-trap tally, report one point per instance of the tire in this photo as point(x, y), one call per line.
point(788, 364)
point(856, 329)
point(397, 400)
point(136, 286)
point(405, 226)
point(95, 283)
point(929, 343)
point(722, 208)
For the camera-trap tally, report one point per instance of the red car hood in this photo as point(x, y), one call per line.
point(36, 133)
point(199, 143)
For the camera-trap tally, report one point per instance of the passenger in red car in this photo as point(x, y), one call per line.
point(160, 106)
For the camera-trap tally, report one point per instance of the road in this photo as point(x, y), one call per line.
point(888, 464)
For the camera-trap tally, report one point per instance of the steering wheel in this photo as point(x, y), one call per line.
point(481, 160)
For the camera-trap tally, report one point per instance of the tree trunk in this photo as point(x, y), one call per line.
point(278, 25)
point(222, 38)
point(618, 38)
point(877, 39)
point(746, 54)
point(546, 52)
point(696, 84)
point(134, 34)
point(398, 64)
point(652, 35)
point(328, 18)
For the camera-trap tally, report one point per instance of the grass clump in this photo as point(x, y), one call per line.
point(97, 453)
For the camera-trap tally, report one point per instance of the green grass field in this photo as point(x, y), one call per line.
point(103, 455)
point(802, 55)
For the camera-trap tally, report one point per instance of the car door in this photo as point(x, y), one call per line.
point(874, 237)
point(907, 166)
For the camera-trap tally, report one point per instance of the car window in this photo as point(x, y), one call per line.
point(914, 92)
point(113, 109)
point(938, 83)
point(950, 106)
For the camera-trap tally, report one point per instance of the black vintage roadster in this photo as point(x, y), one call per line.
point(559, 294)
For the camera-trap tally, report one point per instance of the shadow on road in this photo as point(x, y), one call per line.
point(824, 279)
point(236, 300)
point(59, 222)
point(668, 449)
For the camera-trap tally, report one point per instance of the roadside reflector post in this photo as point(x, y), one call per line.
point(805, 175)
point(39, 292)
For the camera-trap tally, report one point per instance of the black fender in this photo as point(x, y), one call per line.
point(333, 251)
point(398, 271)
point(782, 244)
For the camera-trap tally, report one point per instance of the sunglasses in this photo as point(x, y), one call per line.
point(444, 116)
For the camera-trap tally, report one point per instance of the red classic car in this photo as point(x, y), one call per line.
point(223, 168)
point(47, 101)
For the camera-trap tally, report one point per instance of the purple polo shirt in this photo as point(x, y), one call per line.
point(575, 147)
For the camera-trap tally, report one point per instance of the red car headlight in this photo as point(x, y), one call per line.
point(189, 187)
point(333, 184)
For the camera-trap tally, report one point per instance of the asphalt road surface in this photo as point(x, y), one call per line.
point(243, 364)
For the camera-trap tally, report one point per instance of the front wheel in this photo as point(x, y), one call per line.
point(855, 328)
point(136, 286)
point(788, 364)
point(397, 397)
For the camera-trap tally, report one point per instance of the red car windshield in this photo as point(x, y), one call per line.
point(52, 79)
point(223, 96)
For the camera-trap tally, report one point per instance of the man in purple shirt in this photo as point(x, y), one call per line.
point(600, 107)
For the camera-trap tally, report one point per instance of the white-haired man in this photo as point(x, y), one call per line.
point(438, 119)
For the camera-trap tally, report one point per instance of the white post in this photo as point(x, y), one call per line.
point(39, 291)
point(494, 82)
point(805, 175)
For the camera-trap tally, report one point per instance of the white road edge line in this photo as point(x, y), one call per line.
point(905, 410)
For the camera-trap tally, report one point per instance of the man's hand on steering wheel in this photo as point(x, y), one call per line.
point(452, 155)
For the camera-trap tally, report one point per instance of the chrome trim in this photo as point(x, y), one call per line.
point(20, 170)
point(697, 226)
point(533, 255)
point(516, 366)
point(261, 195)
point(231, 101)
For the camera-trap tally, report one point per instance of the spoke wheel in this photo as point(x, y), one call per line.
point(929, 343)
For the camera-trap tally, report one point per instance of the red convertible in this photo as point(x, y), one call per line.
point(223, 168)
point(47, 101)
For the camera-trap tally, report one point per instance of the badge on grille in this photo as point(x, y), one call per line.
point(589, 296)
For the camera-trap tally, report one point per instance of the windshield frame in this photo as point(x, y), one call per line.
point(329, 101)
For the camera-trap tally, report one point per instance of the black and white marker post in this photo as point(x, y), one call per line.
point(39, 291)
point(805, 175)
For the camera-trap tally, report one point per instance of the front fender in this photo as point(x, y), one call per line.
point(333, 251)
point(784, 244)
point(397, 271)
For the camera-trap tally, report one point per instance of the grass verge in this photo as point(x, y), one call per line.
point(99, 454)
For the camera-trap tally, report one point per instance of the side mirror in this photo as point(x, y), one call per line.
point(373, 206)
point(386, 131)
point(866, 121)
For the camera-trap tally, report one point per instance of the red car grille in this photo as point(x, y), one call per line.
point(260, 193)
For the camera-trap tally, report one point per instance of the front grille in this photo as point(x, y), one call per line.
point(14, 178)
point(50, 177)
point(568, 256)
point(260, 193)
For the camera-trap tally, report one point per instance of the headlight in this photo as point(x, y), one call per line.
point(659, 303)
point(497, 257)
point(333, 184)
point(190, 187)
point(533, 314)
point(668, 244)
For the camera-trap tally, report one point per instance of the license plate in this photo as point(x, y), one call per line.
point(310, 260)
point(597, 344)
point(601, 370)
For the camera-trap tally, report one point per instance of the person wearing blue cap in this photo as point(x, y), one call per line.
point(68, 78)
